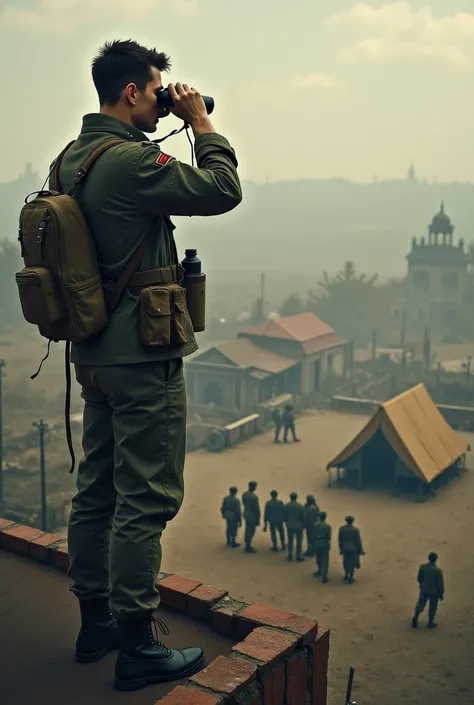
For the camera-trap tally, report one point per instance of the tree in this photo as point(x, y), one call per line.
point(10, 311)
point(352, 303)
point(292, 305)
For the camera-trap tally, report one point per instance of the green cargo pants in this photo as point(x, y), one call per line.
point(129, 482)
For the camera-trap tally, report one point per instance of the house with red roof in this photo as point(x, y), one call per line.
point(287, 355)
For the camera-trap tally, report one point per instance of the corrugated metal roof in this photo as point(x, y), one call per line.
point(417, 432)
point(246, 354)
point(302, 327)
point(321, 343)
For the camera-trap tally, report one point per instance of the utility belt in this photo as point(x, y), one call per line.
point(162, 307)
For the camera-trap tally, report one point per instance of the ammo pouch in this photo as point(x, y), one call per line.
point(162, 306)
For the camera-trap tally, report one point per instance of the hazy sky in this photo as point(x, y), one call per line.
point(304, 88)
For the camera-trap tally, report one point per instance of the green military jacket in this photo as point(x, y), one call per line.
point(294, 515)
point(430, 579)
point(251, 506)
point(311, 513)
point(230, 509)
point(274, 512)
point(349, 539)
point(322, 535)
point(128, 190)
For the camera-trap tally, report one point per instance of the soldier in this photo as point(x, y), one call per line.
point(277, 420)
point(294, 520)
point(275, 516)
point(311, 513)
point(130, 480)
point(350, 548)
point(251, 515)
point(322, 546)
point(231, 512)
point(431, 582)
point(289, 424)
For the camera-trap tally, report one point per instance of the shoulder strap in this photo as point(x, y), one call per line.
point(90, 160)
point(113, 295)
point(55, 185)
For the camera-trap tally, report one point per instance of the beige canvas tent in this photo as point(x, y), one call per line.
point(406, 438)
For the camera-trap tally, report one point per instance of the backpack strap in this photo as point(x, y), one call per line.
point(56, 165)
point(114, 290)
point(90, 160)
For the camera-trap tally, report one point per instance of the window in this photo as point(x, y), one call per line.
point(330, 362)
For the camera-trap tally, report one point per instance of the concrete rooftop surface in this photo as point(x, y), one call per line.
point(39, 620)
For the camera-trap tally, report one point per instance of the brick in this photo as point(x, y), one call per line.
point(266, 646)
point(226, 675)
point(263, 615)
point(6, 523)
point(17, 538)
point(41, 548)
point(320, 667)
point(202, 599)
point(174, 591)
point(223, 621)
point(274, 687)
point(188, 696)
point(60, 555)
point(296, 680)
point(224, 616)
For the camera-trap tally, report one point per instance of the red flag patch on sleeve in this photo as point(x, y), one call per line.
point(163, 158)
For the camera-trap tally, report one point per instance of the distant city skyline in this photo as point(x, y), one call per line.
point(326, 89)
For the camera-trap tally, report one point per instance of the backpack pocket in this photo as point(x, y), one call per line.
point(155, 316)
point(40, 302)
point(163, 316)
point(87, 306)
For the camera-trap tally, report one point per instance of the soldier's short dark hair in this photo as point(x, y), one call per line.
point(322, 515)
point(252, 483)
point(293, 495)
point(433, 557)
point(233, 490)
point(350, 519)
point(274, 493)
point(119, 63)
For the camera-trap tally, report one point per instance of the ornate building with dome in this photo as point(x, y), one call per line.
point(436, 293)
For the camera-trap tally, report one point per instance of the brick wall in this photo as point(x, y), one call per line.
point(282, 658)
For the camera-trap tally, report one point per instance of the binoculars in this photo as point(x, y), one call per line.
point(166, 101)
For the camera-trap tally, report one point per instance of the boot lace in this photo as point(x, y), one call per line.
point(156, 626)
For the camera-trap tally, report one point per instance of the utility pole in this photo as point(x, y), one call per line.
point(42, 427)
point(403, 329)
point(2, 365)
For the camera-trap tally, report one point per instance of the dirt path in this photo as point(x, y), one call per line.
point(370, 621)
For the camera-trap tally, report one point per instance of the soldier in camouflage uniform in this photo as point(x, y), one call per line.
point(275, 516)
point(311, 513)
point(251, 515)
point(232, 514)
point(322, 546)
point(130, 481)
point(294, 520)
point(350, 548)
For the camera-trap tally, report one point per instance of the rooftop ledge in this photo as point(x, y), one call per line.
point(256, 655)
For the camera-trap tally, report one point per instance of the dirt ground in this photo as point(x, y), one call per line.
point(370, 620)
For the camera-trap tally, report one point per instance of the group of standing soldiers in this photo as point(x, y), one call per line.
point(293, 521)
point(285, 421)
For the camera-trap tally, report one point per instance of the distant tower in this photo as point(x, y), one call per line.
point(412, 173)
point(437, 278)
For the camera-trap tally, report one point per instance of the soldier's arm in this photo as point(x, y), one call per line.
point(329, 534)
point(223, 507)
point(359, 542)
point(257, 509)
point(265, 515)
point(420, 575)
point(339, 538)
point(164, 185)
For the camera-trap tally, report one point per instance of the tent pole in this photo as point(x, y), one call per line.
point(329, 477)
point(338, 474)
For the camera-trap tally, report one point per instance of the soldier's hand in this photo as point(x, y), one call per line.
point(188, 103)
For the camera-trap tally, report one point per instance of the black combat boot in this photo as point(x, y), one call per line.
point(99, 631)
point(234, 544)
point(431, 623)
point(143, 660)
point(414, 621)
